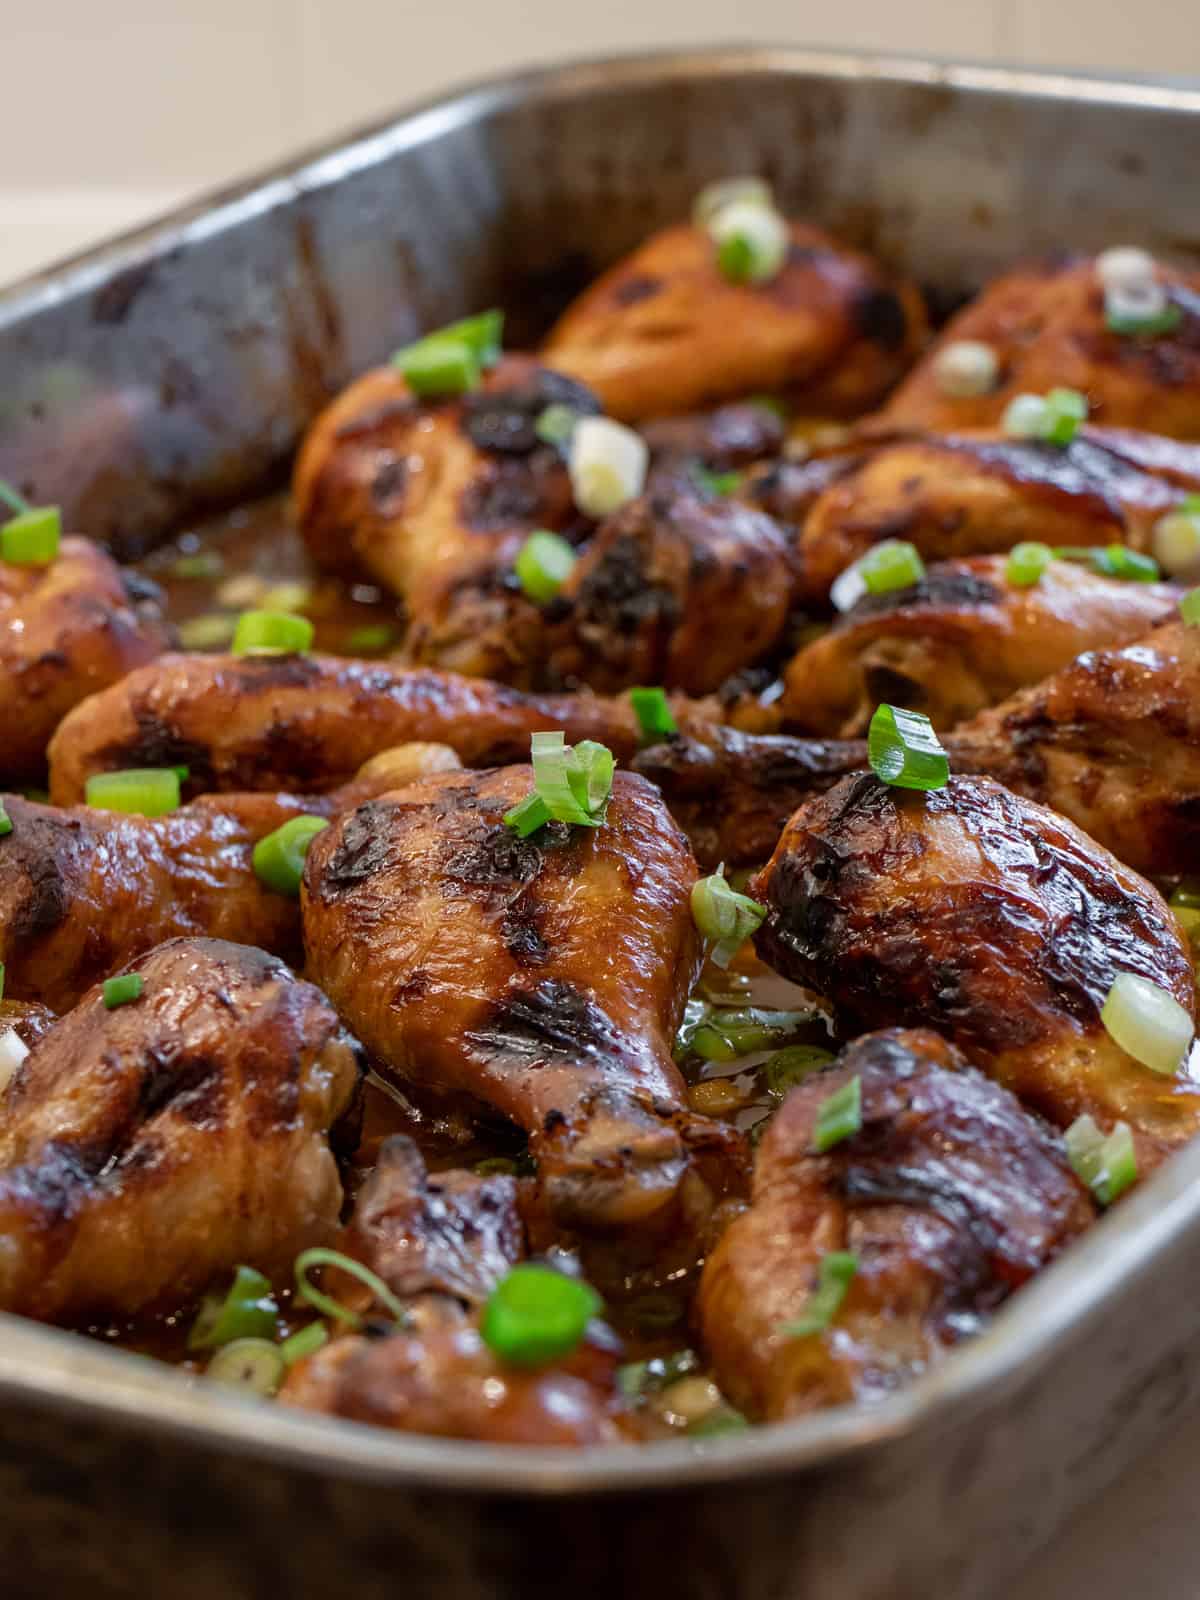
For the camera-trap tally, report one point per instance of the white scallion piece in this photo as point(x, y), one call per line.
point(607, 465)
point(13, 1051)
point(1124, 267)
point(1024, 417)
point(1148, 1023)
point(752, 242)
point(1177, 543)
point(714, 197)
point(1135, 302)
point(966, 367)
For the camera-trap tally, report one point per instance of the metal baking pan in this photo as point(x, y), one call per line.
point(172, 371)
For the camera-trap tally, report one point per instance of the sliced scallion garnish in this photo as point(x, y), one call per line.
point(6, 827)
point(1026, 563)
point(247, 1310)
point(654, 715)
point(719, 484)
point(271, 633)
point(1189, 607)
point(569, 784)
point(120, 991)
point(904, 750)
point(1177, 542)
point(451, 360)
point(1053, 418)
point(715, 197)
point(839, 1116)
point(1140, 309)
point(890, 565)
point(1147, 1023)
point(279, 858)
point(253, 1365)
point(787, 1068)
point(965, 368)
point(31, 538)
point(535, 1315)
point(305, 1342)
point(371, 639)
point(1108, 1165)
point(556, 424)
point(724, 916)
point(751, 242)
point(318, 1256)
point(834, 1277)
point(543, 565)
point(139, 791)
point(13, 1051)
point(607, 465)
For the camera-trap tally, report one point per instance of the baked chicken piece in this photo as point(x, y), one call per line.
point(306, 722)
point(66, 630)
point(83, 891)
point(434, 499)
point(147, 1148)
point(543, 977)
point(949, 1198)
point(976, 494)
point(1045, 324)
point(442, 1242)
point(961, 639)
point(993, 920)
point(724, 439)
point(664, 331)
point(680, 587)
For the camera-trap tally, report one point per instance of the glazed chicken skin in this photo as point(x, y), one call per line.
point(663, 331)
point(976, 494)
point(84, 891)
point(306, 722)
point(442, 1242)
point(543, 977)
point(434, 499)
point(66, 630)
point(680, 588)
point(148, 1148)
point(959, 640)
point(1046, 325)
point(950, 1197)
point(993, 920)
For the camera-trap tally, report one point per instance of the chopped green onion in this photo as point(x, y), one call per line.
point(5, 828)
point(534, 1315)
point(483, 333)
point(1107, 1165)
point(15, 501)
point(1140, 308)
point(279, 858)
point(787, 1068)
point(965, 368)
point(752, 242)
point(120, 991)
point(715, 197)
point(1177, 542)
point(1026, 563)
point(655, 719)
point(198, 566)
point(724, 916)
point(306, 1342)
point(1124, 266)
point(607, 465)
point(904, 750)
point(450, 361)
point(213, 631)
point(569, 785)
point(556, 424)
point(543, 565)
point(1148, 1023)
point(1112, 561)
point(892, 564)
point(638, 1378)
point(271, 633)
point(325, 1303)
point(714, 483)
point(139, 791)
point(726, 1035)
point(1189, 607)
point(255, 1365)
point(839, 1116)
point(1191, 504)
point(371, 639)
point(32, 537)
point(1054, 417)
point(834, 1277)
point(13, 1051)
point(717, 1423)
point(246, 1311)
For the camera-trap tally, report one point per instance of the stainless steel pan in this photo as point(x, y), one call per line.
point(174, 369)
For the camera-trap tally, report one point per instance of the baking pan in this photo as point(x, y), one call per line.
point(172, 371)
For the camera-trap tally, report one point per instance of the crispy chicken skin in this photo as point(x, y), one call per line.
point(306, 722)
point(727, 437)
point(146, 1149)
point(679, 587)
point(545, 977)
point(1046, 324)
point(976, 494)
point(84, 891)
point(66, 630)
point(664, 332)
point(433, 499)
point(960, 640)
point(1113, 742)
point(951, 1197)
point(995, 921)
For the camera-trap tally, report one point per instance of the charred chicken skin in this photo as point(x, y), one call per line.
point(84, 891)
point(434, 499)
point(544, 977)
point(306, 723)
point(147, 1148)
point(950, 1197)
point(993, 920)
point(977, 494)
point(66, 630)
point(1046, 325)
point(664, 332)
point(959, 640)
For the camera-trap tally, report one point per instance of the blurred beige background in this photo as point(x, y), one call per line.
point(114, 111)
